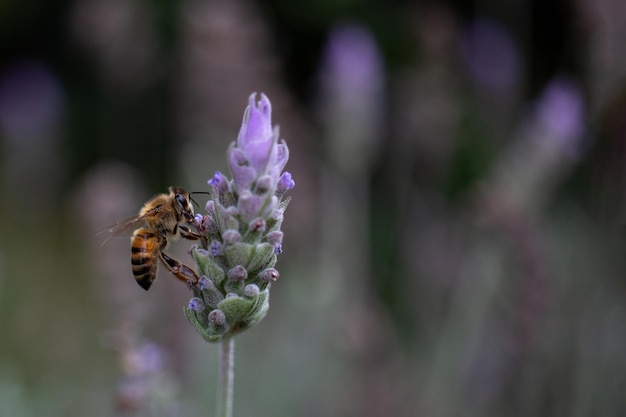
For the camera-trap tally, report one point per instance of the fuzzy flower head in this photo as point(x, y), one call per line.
point(240, 233)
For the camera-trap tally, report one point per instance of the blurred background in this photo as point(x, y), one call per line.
point(455, 243)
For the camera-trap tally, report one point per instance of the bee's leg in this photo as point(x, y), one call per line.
point(187, 233)
point(181, 271)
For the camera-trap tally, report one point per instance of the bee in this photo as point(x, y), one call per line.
point(163, 218)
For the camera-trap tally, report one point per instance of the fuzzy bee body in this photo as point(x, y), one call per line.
point(144, 248)
point(163, 218)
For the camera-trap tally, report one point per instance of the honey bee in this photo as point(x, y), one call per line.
point(163, 218)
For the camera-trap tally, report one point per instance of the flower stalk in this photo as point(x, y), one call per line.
point(227, 378)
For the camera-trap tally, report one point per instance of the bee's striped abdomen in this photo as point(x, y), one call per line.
point(144, 256)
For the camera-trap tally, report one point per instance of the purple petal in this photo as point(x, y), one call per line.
point(219, 182)
point(282, 155)
point(256, 120)
point(285, 183)
point(217, 178)
point(280, 160)
point(256, 136)
point(249, 205)
point(243, 175)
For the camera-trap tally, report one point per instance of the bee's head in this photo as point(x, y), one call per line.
point(182, 202)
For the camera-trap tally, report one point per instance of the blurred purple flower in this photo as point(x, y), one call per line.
point(152, 358)
point(353, 63)
point(560, 110)
point(351, 97)
point(491, 55)
point(144, 360)
point(31, 100)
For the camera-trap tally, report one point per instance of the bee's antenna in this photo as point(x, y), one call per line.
point(197, 192)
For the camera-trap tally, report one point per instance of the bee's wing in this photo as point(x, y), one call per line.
point(118, 229)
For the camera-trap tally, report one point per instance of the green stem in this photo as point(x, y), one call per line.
point(227, 377)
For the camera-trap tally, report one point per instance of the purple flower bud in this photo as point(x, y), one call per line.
point(208, 225)
point(257, 225)
point(251, 290)
point(238, 273)
point(243, 174)
point(282, 156)
point(202, 252)
point(285, 183)
point(269, 274)
point(217, 317)
point(204, 223)
point(257, 151)
point(275, 237)
point(249, 205)
point(205, 283)
point(210, 207)
point(256, 137)
point(231, 236)
point(196, 304)
point(216, 248)
point(215, 181)
point(277, 214)
point(219, 182)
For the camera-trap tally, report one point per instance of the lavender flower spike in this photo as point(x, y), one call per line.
point(242, 239)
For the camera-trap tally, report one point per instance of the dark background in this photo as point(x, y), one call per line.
point(455, 241)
